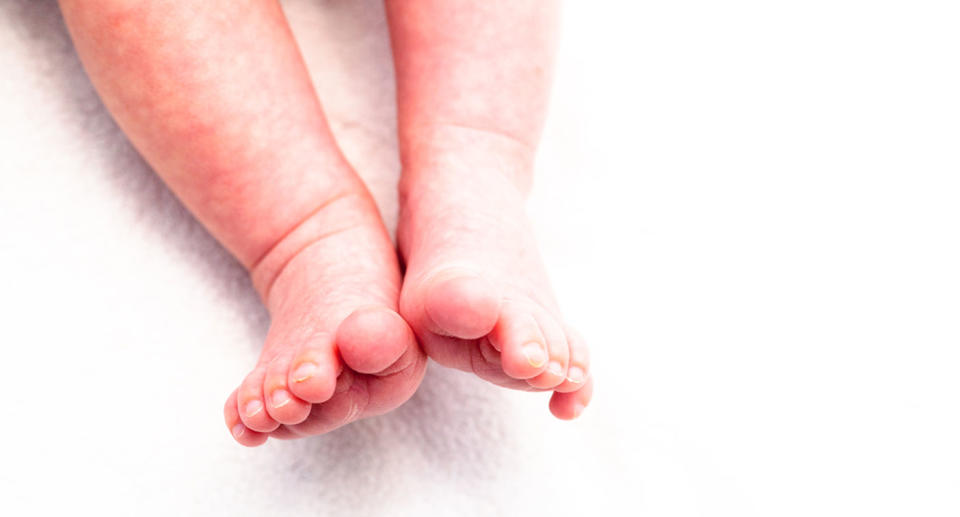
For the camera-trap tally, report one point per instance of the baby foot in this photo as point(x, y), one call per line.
point(475, 290)
point(337, 351)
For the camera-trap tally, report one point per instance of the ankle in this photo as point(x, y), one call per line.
point(463, 155)
point(347, 209)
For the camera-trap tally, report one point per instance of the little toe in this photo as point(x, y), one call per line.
point(250, 403)
point(522, 345)
point(371, 339)
point(313, 372)
point(460, 304)
point(241, 433)
point(567, 406)
point(282, 405)
point(579, 367)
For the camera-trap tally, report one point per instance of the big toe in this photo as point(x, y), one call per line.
point(372, 339)
point(460, 304)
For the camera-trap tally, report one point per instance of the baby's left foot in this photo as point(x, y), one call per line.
point(475, 290)
point(337, 351)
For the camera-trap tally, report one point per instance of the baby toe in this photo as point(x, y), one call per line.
point(312, 375)
point(250, 402)
point(579, 367)
point(567, 406)
point(523, 348)
point(346, 405)
point(371, 339)
point(282, 405)
point(558, 350)
point(241, 433)
point(459, 304)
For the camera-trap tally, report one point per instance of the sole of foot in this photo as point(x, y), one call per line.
point(476, 292)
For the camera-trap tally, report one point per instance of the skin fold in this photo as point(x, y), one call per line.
point(215, 95)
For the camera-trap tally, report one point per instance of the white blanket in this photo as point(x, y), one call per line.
point(758, 239)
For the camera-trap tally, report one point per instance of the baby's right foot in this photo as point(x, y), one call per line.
point(475, 290)
point(337, 351)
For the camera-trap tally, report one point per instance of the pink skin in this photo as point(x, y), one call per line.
point(214, 94)
point(473, 83)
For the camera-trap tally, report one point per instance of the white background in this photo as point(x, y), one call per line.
point(749, 207)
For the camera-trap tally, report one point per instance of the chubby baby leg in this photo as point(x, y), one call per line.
point(215, 95)
point(473, 82)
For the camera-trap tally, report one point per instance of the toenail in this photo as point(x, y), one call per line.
point(575, 374)
point(238, 430)
point(280, 398)
point(535, 354)
point(304, 372)
point(555, 368)
point(253, 407)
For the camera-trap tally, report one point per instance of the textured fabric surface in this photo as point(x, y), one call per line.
point(749, 208)
point(143, 324)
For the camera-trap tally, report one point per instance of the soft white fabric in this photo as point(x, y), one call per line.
point(749, 210)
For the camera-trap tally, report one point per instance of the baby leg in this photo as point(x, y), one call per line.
point(473, 82)
point(215, 95)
